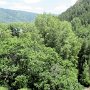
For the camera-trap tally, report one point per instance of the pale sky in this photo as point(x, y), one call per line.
point(38, 6)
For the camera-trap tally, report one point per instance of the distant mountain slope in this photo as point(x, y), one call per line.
point(7, 15)
point(81, 9)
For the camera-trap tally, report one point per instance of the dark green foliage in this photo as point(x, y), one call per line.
point(83, 32)
point(81, 9)
point(84, 63)
point(7, 15)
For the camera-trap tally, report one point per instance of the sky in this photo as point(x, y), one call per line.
point(38, 6)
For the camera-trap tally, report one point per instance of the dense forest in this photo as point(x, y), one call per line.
point(51, 53)
point(81, 10)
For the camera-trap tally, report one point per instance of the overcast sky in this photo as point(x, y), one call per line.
point(38, 6)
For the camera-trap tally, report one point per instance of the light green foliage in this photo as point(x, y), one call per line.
point(3, 88)
point(59, 35)
point(24, 89)
point(43, 56)
point(20, 81)
point(67, 44)
point(59, 78)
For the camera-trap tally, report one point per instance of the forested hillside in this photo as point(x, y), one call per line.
point(7, 15)
point(81, 10)
point(51, 53)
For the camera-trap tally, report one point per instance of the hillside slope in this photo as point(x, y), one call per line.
point(7, 15)
point(81, 9)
